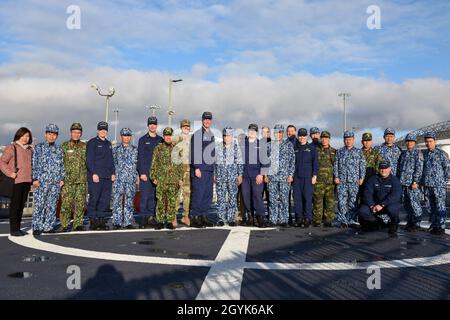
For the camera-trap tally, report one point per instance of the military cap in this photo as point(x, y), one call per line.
point(52, 128)
point(207, 115)
point(102, 125)
point(168, 131)
point(325, 134)
point(76, 126)
point(411, 137)
point(314, 130)
point(253, 126)
point(389, 131)
point(185, 123)
point(278, 128)
point(227, 131)
point(302, 132)
point(152, 120)
point(367, 136)
point(384, 164)
point(126, 132)
point(430, 134)
point(349, 134)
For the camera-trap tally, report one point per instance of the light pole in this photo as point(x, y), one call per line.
point(116, 111)
point(344, 96)
point(153, 109)
point(171, 112)
point(107, 95)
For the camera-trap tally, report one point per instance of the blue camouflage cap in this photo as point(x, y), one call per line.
point(227, 131)
point(349, 134)
point(102, 125)
point(389, 131)
point(302, 132)
point(126, 132)
point(411, 137)
point(278, 128)
point(314, 130)
point(52, 128)
point(430, 134)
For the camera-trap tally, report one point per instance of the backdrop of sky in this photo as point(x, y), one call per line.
point(252, 61)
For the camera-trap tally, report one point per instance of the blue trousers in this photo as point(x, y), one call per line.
point(253, 196)
point(411, 203)
point(347, 198)
point(124, 191)
point(303, 196)
point(227, 190)
point(201, 193)
point(44, 208)
point(391, 210)
point(147, 200)
point(279, 201)
point(99, 198)
point(436, 206)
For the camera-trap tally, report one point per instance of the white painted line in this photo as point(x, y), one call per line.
point(30, 242)
point(224, 279)
point(4, 235)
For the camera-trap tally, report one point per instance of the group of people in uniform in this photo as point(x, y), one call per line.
point(365, 186)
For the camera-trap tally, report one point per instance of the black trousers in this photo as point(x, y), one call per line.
point(18, 200)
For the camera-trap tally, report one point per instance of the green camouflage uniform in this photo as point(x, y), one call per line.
point(167, 174)
point(181, 155)
point(373, 159)
point(324, 189)
point(73, 194)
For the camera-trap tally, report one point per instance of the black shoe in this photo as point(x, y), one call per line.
point(306, 223)
point(220, 223)
point(152, 222)
point(260, 222)
point(328, 225)
point(37, 232)
point(93, 224)
point(170, 226)
point(159, 226)
point(60, 229)
point(102, 224)
point(79, 228)
point(316, 224)
point(143, 222)
point(23, 233)
point(437, 231)
point(206, 222)
point(50, 231)
point(270, 225)
point(343, 226)
point(411, 227)
point(285, 225)
point(117, 227)
point(250, 222)
point(298, 223)
point(16, 234)
point(393, 229)
point(232, 224)
point(130, 227)
point(196, 222)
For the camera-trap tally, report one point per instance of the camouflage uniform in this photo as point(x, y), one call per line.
point(325, 187)
point(410, 170)
point(125, 161)
point(73, 193)
point(349, 167)
point(181, 155)
point(167, 174)
point(390, 153)
point(373, 159)
point(228, 167)
point(48, 169)
point(436, 174)
point(282, 165)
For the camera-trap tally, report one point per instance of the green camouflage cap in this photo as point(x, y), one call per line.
point(168, 131)
point(185, 123)
point(367, 136)
point(325, 134)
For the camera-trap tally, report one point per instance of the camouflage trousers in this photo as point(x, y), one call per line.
point(347, 199)
point(167, 200)
point(411, 203)
point(324, 193)
point(44, 206)
point(186, 192)
point(73, 197)
point(435, 199)
point(124, 192)
point(227, 190)
point(279, 201)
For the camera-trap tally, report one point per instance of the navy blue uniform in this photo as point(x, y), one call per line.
point(202, 155)
point(306, 166)
point(381, 191)
point(147, 190)
point(99, 161)
point(256, 163)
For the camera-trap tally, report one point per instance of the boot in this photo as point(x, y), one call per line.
point(196, 223)
point(206, 222)
point(152, 222)
point(102, 224)
point(159, 226)
point(393, 229)
point(171, 226)
point(250, 221)
point(143, 223)
point(93, 224)
point(260, 222)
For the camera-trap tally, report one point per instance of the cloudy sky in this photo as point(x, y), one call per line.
point(261, 61)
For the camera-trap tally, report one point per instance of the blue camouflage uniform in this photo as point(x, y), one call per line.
point(147, 190)
point(436, 174)
point(410, 166)
point(306, 166)
point(125, 161)
point(48, 169)
point(228, 167)
point(282, 165)
point(349, 167)
point(202, 156)
point(390, 153)
point(99, 161)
